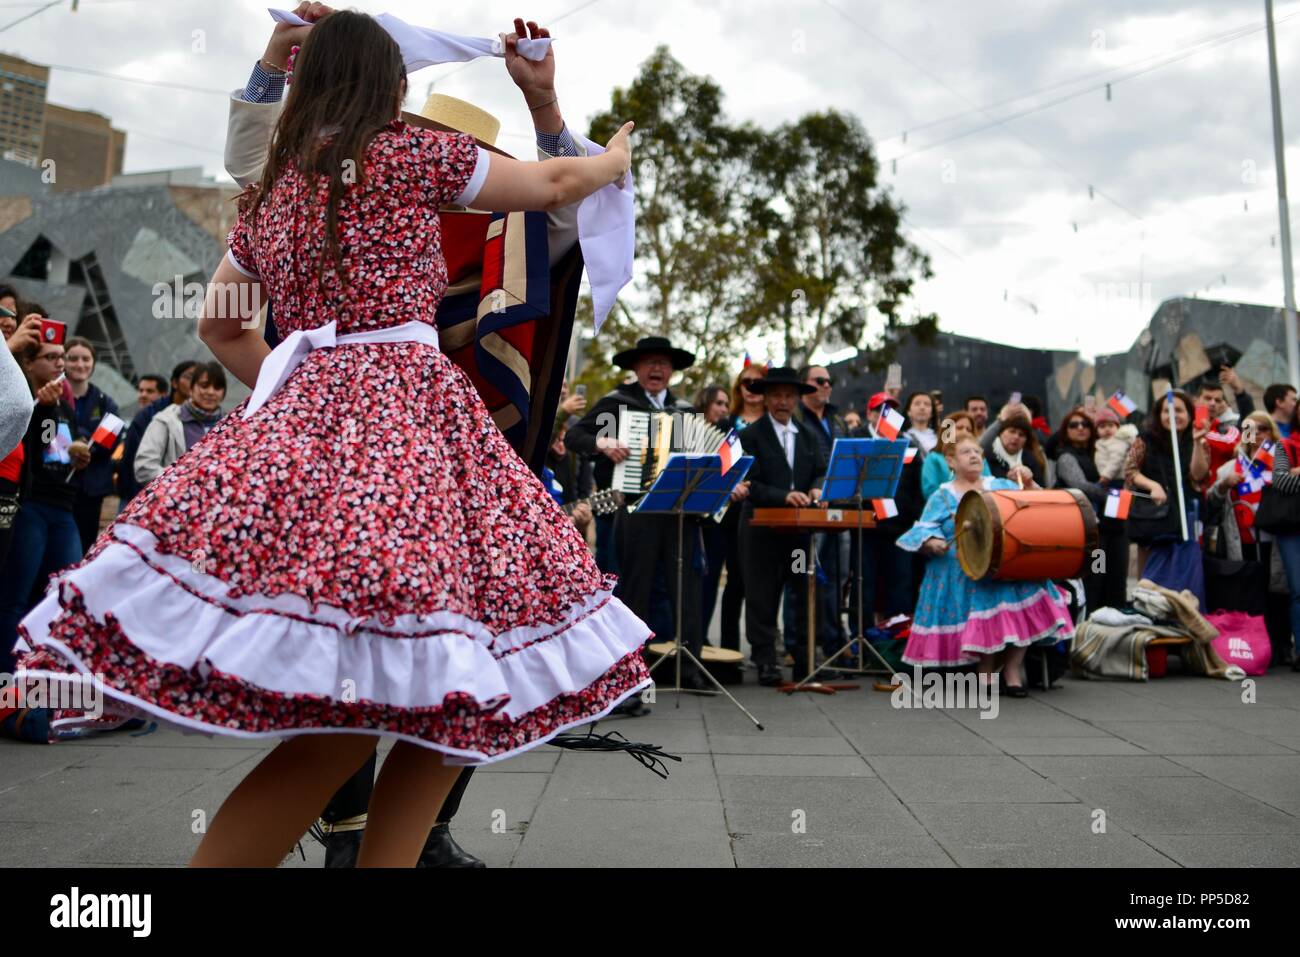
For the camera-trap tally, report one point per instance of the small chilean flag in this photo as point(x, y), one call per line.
point(884, 508)
point(1117, 503)
point(909, 455)
point(890, 424)
point(110, 427)
point(730, 451)
point(1264, 457)
point(748, 361)
point(1122, 404)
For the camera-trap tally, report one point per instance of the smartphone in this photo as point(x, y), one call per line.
point(53, 331)
point(1089, 402)
point(1015, 399)
point(580, 389)
point(1202, 419)
point(894, 377)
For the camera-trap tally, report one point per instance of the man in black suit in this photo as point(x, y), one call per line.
point(787, 472)
point(646, 543)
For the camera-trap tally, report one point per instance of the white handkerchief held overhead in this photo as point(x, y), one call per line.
point(423, 47)
point(607, 234)
point(606, 218)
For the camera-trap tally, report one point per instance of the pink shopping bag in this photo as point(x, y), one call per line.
point(1242, 641)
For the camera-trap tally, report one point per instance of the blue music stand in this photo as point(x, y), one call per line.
point(861, 469)
point(695, 485)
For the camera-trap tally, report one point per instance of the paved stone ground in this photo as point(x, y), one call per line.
point(1184, 771)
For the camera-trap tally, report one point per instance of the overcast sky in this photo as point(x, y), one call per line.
point(1180, 159)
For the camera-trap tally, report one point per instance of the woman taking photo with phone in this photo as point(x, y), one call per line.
point(315, 571)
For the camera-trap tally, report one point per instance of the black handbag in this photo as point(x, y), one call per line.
point(1148, 521)
point(1278, 513)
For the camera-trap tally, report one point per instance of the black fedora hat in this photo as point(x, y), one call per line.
point(655, 346)
point(782, 375)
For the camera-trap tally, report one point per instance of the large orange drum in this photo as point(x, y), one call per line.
point(1025, 535)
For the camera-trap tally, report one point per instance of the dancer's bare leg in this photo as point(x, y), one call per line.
point(280, 798)
point(409, 792)
point(1012, 668)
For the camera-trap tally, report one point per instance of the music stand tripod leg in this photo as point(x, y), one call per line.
point(679, 647)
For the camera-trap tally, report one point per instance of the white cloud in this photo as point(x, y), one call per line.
point(1170, 145)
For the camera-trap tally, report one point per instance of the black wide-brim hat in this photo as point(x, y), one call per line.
point(655, 346)
point(782, 375)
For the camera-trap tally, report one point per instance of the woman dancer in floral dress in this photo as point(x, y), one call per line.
point(356, 551)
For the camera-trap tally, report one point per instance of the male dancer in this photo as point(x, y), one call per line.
point(253, 115)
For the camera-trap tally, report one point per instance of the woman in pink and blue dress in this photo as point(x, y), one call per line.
point(356, 551)
point(959, 621)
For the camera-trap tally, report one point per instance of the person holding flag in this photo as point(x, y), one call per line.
point(1168, 462)
point(1239, 487)
point(95, 481)
point(887, 569)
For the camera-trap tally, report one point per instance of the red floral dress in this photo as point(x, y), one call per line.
point(366, 552)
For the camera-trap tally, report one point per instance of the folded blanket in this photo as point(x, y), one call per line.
point(1113, 616)
point(1115, 651)
point(1104, 650)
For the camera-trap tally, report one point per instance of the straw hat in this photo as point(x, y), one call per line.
point(446, 113)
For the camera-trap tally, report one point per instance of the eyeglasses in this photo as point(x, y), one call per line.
point(1078, 424)
point(747, 383)
point(822, 380)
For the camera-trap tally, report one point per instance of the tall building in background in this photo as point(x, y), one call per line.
point(22, 109)
point(86, 149)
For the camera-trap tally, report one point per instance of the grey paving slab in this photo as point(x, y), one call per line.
point(1187, 776)
point(1254, 719)
point(21, 762)
point(1092, 700)
point(1118, 766)
point(1066, 745)
point(1179, 805)
point(906, 737)
point(1272, 779)
point(1024, 719)
point(504, 802)
point(966, 780)
point(813, 766)
point(139, 757)
point(823, 806)
point(676, 736)
point(537, 761)
point(88, 795)
point(618, 777)
point(1191, 737)
point(602, 833)
point(838, 850)
point(769, 743)
point(1230, 850)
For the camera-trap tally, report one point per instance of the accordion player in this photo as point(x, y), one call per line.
point(643, 545)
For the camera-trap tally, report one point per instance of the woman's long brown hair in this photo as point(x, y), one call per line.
point(349, 79)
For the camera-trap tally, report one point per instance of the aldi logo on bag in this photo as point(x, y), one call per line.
point(1240, 648)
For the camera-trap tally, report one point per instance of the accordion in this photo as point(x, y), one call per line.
point(653, 437)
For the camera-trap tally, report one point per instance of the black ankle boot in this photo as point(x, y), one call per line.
point(342, 847)
point(441, 850)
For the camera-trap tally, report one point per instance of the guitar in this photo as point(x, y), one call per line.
point(605, 502)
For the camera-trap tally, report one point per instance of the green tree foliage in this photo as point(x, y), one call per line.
point(742, 233)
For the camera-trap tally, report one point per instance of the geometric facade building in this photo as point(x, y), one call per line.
point(122, 266)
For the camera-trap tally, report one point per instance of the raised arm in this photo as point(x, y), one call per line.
point(511, 185)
